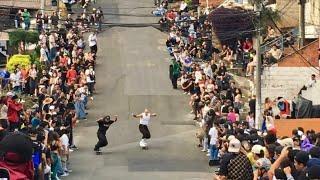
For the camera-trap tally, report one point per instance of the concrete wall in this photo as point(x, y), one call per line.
point(313, 12)
point(284, 81)
point(289, 10)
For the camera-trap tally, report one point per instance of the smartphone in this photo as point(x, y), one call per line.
point(4, 174)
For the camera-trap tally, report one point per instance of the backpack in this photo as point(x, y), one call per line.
point(36, 155)
point(36, 159)
point(282, 106)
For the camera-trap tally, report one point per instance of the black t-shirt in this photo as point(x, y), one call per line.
point(104, 126)
point(222, 70)
point(68, 121)
point(252, 105)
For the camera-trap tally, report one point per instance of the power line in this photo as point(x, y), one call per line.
point(295, 50)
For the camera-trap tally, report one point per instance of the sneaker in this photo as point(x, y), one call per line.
point(204, 150)
point(65, 174)
point(208, 154)
point(68, 171)
point(70, 150)
point(73, 147)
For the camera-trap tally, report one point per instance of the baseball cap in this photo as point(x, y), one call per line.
point(231, 137)
point(287, 142)
point(256, 149)
point(262, 163)
point(10, 94)
point(302, 157)
point(234, 145)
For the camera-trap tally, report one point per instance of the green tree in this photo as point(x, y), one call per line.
point(18, 36)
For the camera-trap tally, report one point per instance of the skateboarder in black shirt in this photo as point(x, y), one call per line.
point(104, 124)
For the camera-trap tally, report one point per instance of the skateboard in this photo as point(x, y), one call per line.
point(144, 147)
point(98, 153)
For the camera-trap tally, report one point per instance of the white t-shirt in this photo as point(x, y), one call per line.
point(213, 133)
point(16, 79)
point(144, 120)
point(92, 40)
point(183, 6)
point(89, 72)
point(43, 54)
point(198, 75)
point(208, 71)
point(64, 140)
point(205, 110)
point(251, 122)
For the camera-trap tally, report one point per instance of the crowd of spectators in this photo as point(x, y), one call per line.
point(242, 148)
point(46, 21)
point(60, 88)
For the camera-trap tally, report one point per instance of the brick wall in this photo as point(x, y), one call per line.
point(285, 126)
point(310, 52)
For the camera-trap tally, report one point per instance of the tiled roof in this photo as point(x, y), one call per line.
point(231, 23)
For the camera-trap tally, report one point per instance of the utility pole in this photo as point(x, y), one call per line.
point(42, 4)
point(258, 120)
point(302, 4)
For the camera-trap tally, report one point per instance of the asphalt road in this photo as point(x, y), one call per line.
point(132, 74)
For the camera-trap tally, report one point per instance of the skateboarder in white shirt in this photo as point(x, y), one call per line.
point(143, 126)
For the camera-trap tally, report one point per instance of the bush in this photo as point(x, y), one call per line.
point(189, 2)
point(18, 60)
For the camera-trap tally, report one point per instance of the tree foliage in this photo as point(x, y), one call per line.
point(15, 37)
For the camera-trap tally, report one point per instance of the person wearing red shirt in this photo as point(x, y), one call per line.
point(13, 111)
point(247, 45)
point(171, 15)
point(63, 59)
point(71, 75)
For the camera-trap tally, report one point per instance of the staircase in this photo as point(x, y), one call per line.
point(312, 94)
point(280, 42)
